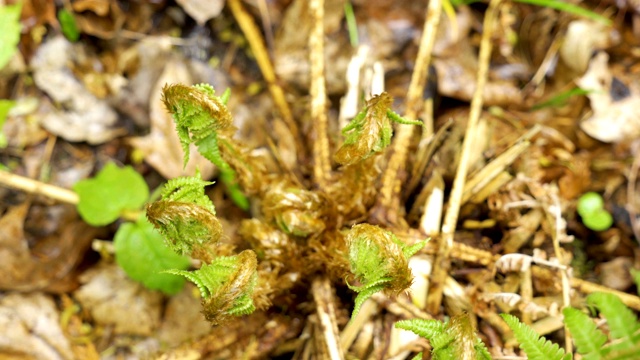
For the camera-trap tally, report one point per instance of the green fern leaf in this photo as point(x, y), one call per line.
point(623, 323)
point(535, 346)
point(363, 295)
point(427, 329)
point(226, 285)
point(442, 348)
point(626, 353)
point(589, 340)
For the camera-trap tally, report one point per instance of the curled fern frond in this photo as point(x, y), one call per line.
point(188, 189)
point(185, 216)
point(295, 211)
point(535, 346)
point(226, 285)
point(197, 112)
point(186, 227)
point(370, 131)
point(379, 261)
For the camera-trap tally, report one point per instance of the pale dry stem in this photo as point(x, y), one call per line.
point(321, 160)
point(323, 295)
point(442, 262)
point(389, 200)
point(254, 38)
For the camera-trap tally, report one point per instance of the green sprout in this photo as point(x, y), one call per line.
point(592, 211)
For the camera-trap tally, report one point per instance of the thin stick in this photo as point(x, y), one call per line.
point(252, 32)
point(323, 296)
point(389, 201)
point(321, 160)
point(631, 196)
point(442, 262)
point(36, 187)
point(57, 193)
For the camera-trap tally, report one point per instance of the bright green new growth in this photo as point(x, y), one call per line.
point(379, 261)
point(594, 215)
point(5, 106)
point(68, 25)
point(185, 215)
point(449, 341)
point(98, 206)
point(226, 285)
point(589, 340)
point(370, 131)
point(9, 31)
point(202, 118)
point(535, 346)
point(141, 253)
point(624, 331)
point(624, 328)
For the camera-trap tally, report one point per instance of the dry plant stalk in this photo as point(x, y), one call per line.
point(321, 160)
point(442, 263)
point(388, 203)
point(254, 37)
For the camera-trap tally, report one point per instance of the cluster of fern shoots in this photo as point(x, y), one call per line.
point(297, 233)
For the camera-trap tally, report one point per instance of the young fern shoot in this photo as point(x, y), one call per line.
point(379, 261)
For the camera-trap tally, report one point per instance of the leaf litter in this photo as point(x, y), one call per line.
point(519, 207)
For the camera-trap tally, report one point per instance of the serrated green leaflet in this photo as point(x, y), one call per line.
point(9, 31)
point(112, 191)
point(142, 254)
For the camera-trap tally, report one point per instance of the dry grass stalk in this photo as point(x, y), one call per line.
point(442, 263)
point(388, 203)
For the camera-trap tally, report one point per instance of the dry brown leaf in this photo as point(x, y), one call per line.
point(85, 118)
point(114, 299)
point(30, 328)
point(57, 253)
point(613, 120)
point(583, 37)
point(161, 148)
point(202, 10)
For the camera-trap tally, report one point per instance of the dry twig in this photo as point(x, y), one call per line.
point(442, 262)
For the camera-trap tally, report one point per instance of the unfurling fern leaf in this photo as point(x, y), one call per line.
point(427, 329)
point(185, 216)
point(535, 346)
point(226, 285)
point(202, 118)
point(370, 131)
point(454, 340)
point(589, 340)
point(624, 327)
point(379, 260)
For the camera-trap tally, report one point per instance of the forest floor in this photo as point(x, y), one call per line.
point(528, 112)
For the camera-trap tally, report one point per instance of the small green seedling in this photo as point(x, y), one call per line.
point(592, 211)
point(5, 106)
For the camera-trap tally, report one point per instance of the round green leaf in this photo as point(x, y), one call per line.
point(142, 254)
point(600, 220)
point(589, 203)
point(113, 190)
